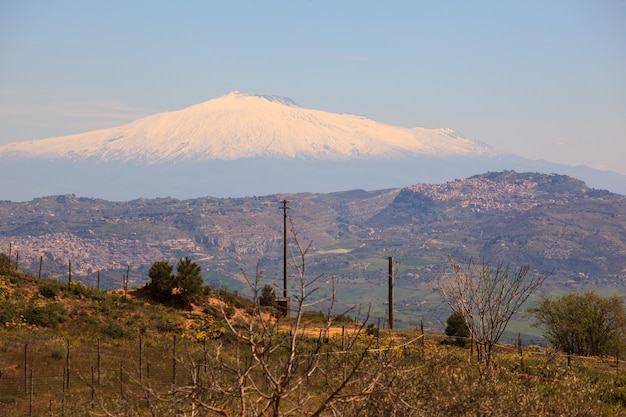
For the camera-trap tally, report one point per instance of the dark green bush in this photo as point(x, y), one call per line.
point(457, 328)
point(49, 315)
point(7, 312)
point(342, 318)
point(49, 290)
point(372, 330)
point(113, 330)
point(268, 296)
point(167, 327)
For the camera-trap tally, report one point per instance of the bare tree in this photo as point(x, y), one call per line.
point(487, 297)
point(276, 366)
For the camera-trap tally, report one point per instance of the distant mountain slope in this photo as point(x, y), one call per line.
point(243, 126)
point(550, 222)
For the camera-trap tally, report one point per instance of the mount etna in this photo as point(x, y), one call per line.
point(244, 145)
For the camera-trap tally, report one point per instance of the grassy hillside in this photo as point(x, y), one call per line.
point(75, 351)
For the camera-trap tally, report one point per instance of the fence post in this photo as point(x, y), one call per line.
point(140, 357)
point(148, 382)
point(63, 396)
point(67, 363)
point(174, 361)
point(204, 351)
point(521, 353)
point(99, 359)
point(25, 369)
point(30, 396)
point(93, 388)
point(423, 337)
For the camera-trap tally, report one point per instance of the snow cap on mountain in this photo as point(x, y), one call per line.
point(237, 126)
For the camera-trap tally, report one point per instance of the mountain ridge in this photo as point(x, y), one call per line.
point(551, 222)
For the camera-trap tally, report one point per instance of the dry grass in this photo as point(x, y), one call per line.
point(417, 379)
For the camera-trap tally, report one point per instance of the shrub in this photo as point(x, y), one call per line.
point(583, 324)
point(342, 318)
point(49, 290)
point(49, 315)
point(77, 289)
point(372, 330)
point(114, 330)
point(457, 328)
point(268, 297)
point(7, 311)
point(167, 327)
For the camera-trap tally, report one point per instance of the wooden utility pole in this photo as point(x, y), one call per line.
point(284, 305)
point(126, 279)
point(391, 292)
point(284, 208)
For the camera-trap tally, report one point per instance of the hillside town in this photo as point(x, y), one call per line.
point(479, 193)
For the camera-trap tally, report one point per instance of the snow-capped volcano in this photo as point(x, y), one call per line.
point(242, 145)
point(238, 126)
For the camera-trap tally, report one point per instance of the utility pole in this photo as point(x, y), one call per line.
point(284, 305)
point(391, 292)
point(284, 208)
point(9, 261)
point(126, 278)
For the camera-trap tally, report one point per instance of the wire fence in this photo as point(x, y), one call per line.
point(56, 378)
point(39, 377)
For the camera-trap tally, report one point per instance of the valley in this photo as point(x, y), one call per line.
point(554, 223)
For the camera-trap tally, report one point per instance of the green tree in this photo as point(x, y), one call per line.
point(583, 324)
point(188, 279)
point(456, 327)
point(268, 296)
point(162, 281)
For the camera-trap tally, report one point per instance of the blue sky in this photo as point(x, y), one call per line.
point(542, 79)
